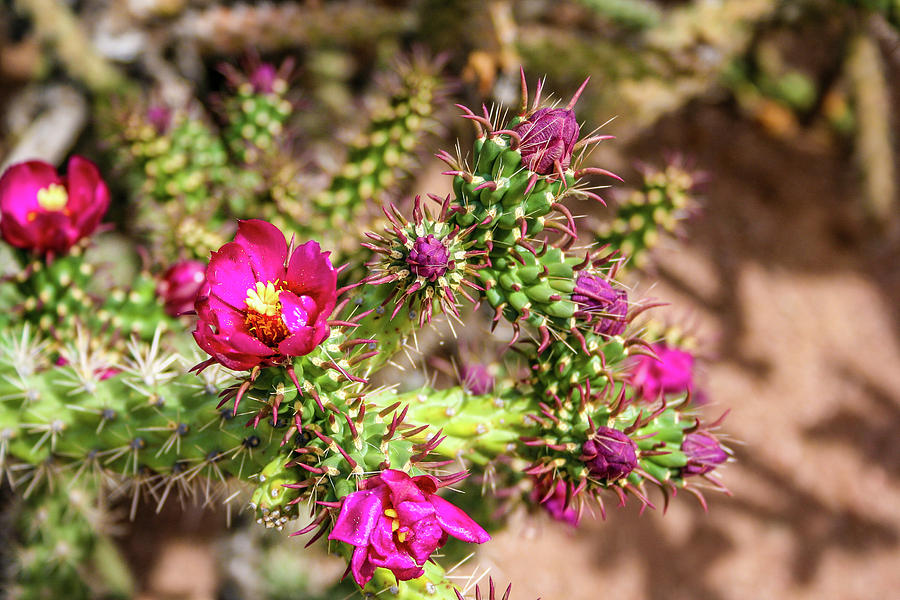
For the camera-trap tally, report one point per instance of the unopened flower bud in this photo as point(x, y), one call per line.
point(548, 136)
point(428, 258)
point(180, 285)
point(603, 304)
point(609, 454)
point(263, 78)
point(704, 453)
point(476, 379)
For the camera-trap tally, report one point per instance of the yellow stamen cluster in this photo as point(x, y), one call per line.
point(263, 299)
point(53, 197)
point(395, 524)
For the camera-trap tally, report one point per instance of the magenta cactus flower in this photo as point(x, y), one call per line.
point(601, 303)
point(180, 285)
point(476, 378)
point(555, 502)
point(704, 453)
point(609, 454)
point(670, 373)
point(428, 258)
point(548, 136)
point(396, 522)
point(47, 213)
point(259, 304)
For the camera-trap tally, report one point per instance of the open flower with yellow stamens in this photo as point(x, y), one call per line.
point(396, 522)
point(262, 303)
point(47, 213)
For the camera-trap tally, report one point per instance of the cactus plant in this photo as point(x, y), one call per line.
point(272, 404)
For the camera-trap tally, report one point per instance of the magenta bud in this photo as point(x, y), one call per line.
point(604, 305)
point(476, 379)
point(704, 453)
point(263, 78)
point(548, 135)
point(180, 285)
point(671, 372)
point(428, 258)
point(160, 117)
point(609, 454)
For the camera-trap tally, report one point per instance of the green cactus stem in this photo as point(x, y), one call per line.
point(664, 199)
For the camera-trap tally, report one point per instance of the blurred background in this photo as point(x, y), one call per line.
point(786, 273)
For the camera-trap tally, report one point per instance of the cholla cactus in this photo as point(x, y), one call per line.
point(281, 403)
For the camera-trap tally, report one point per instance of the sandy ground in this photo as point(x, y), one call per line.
point(798, 305)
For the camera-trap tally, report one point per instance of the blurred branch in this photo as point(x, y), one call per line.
point(52, 133)
point(57, 26)
point(873, 133)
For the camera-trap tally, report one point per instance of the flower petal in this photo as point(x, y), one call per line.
point(457, 523)
point(296, 311)
point(303, 340)
point(19, 187)
point(230, 276)
point(265, 247)
point(426, 537)
point(402, 487)
point(410, 512)
point(310, 272)
point(362, 569)
point(88, 195)
point(359, 515)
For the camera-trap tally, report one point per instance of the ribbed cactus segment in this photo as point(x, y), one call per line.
point(537, 288)
point(375, 161)
point(63, 549)
point(60, 297)
point(518, 175)
point(562, 372)
point(495, 195)
point(52, 293)
point(433, 585)
point(257, 116)
point(192, 168)
point(145, 419)
point(646, 214)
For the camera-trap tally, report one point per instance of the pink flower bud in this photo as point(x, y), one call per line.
point(609, 454)
point(180, 285)
point(704, 453)
point(602, 304)
point(548, 136)
point(428, 258)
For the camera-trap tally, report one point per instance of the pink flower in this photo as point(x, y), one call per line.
point(180, 285)
point(260, 305)
point(672, 373)
point(396, 522)
point(47, 213)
